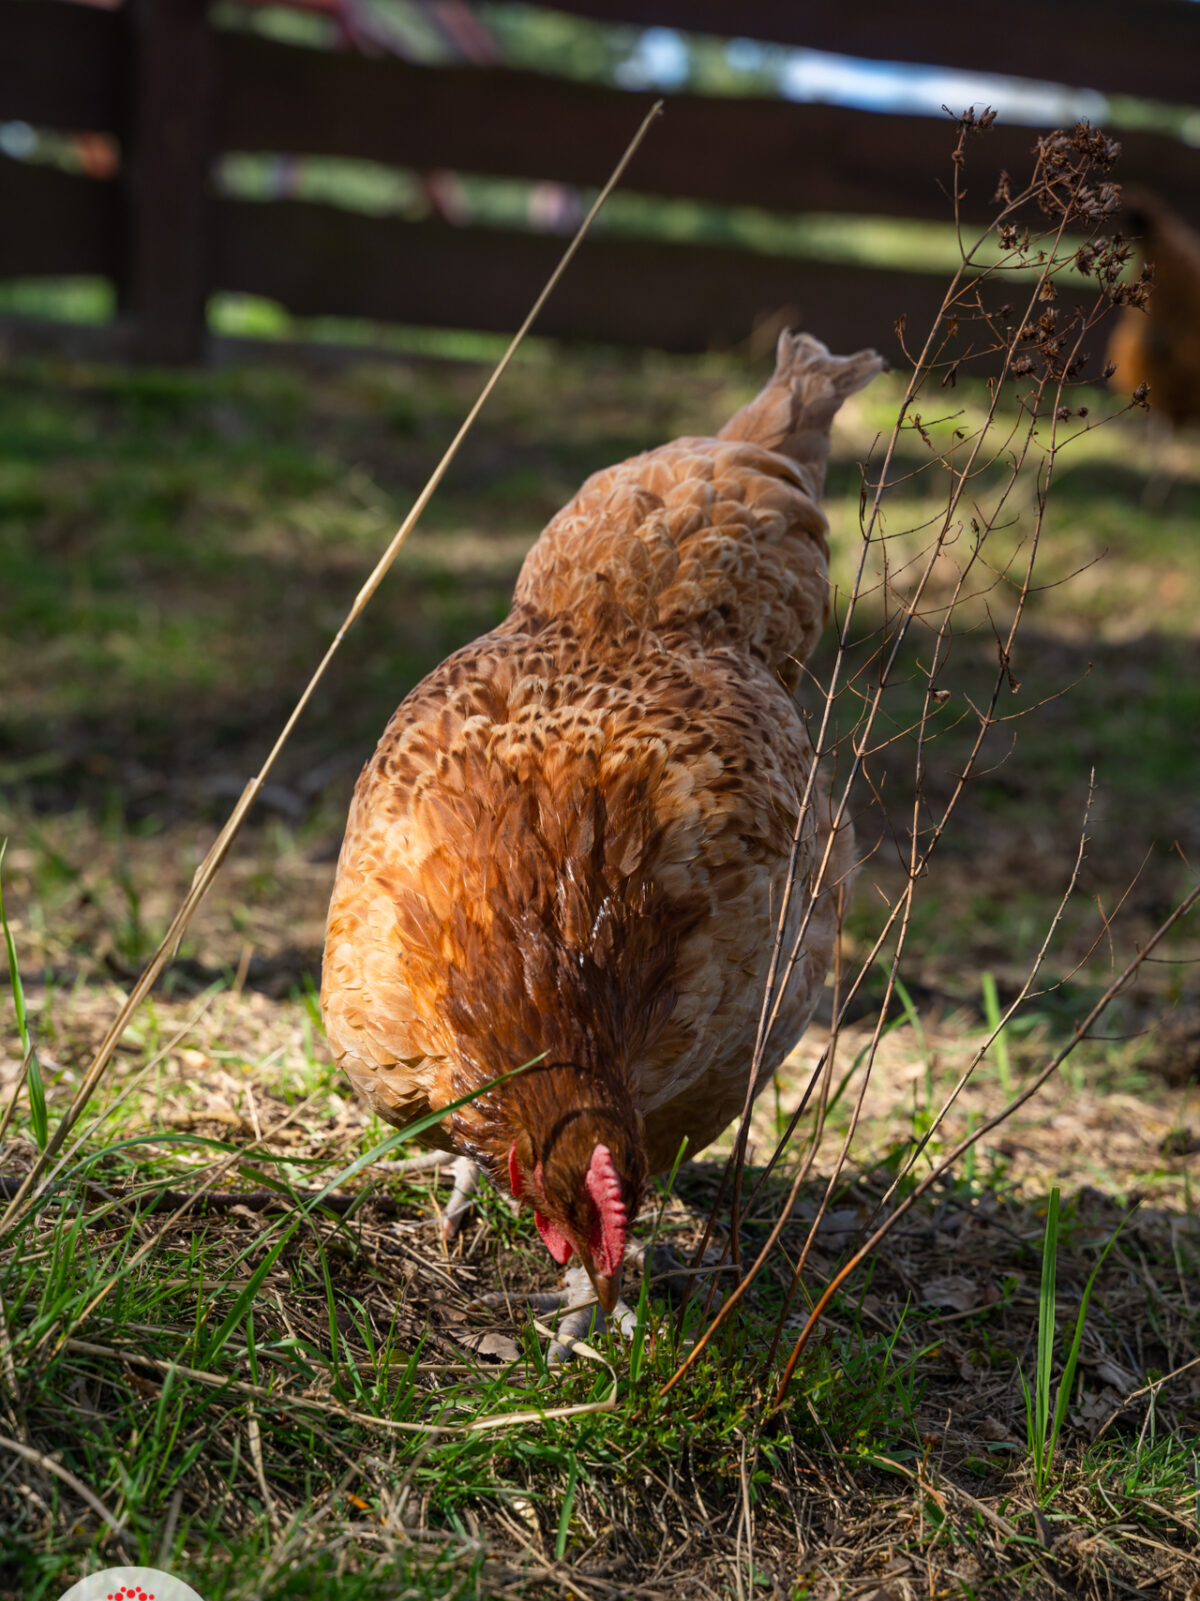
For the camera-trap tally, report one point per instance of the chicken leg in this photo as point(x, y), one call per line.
point(466, 1175)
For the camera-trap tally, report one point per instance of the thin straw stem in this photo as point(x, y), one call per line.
point(212, 863)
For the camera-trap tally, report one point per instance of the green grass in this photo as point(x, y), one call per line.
point(163, 1377)
point(1044, 1420)
point(194, 1309)
point(31, 1072)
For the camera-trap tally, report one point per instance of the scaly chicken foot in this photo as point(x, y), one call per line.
point(466, 1175)
point(466, 1181)
point(581, 1317)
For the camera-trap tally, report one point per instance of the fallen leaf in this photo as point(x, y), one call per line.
point(839, 1224)
point(491, 1347)
point(1113, 1373)
point(992, 1429)
point(1096, 1408)
point(953, 1291)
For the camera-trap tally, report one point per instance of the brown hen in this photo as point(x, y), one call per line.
point(572, 841)
point(1159, 346)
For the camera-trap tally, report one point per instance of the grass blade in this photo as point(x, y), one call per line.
point(991, 1011)
point(568, 1506)
point(14, 972)
point(1045, 1345)
point(910, 1011)
point(1032, 1442)
point(1068, 1378)
point(39, 1118)
point(242, 1304)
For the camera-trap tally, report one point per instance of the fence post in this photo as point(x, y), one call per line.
point(167, 151)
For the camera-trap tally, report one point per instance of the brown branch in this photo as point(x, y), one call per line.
point(1059, 185)
point(147, 1202)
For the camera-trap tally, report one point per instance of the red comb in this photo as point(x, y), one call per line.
point(606, 1239)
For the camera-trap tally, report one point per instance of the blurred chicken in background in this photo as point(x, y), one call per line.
point(1158, 345)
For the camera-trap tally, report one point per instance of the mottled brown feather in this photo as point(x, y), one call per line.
point(572, 841)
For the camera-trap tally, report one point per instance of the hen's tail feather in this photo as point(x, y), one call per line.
point(793, 414)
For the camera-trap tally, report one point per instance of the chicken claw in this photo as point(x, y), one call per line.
point(576, 1301)
point(466, 1180)
point(464, 1171)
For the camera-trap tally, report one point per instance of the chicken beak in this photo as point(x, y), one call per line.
point(608, 1291)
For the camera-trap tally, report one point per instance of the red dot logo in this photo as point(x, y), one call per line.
point(131, 1584)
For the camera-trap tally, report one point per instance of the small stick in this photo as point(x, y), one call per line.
point(49, 1465)
point(214, 1200)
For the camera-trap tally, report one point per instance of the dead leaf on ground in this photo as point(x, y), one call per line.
point(952, 1290)
point(1096, 1408)
point(992, 1429)
point(492, 1347)
point(1113, 1373)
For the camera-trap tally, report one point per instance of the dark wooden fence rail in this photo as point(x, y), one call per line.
point(177, 93)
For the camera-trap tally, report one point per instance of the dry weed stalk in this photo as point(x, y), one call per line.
point(1033, 352)
point(213, 861)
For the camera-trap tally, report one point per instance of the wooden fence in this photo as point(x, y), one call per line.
point(177, 93)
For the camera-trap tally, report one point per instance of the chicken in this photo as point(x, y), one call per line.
point(572, 842)
point(1160, 345)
